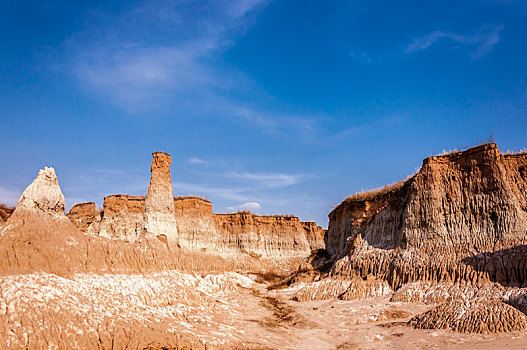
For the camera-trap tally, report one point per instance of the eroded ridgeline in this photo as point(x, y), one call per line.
point(462, 217)
point(188, 222)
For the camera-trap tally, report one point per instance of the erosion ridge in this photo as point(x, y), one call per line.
point(201, 230)
point(466, 205)
point(189, 222)
point(461, 219)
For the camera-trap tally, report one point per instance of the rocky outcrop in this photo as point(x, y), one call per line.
point(168, 310)
point(267, 236)
point(314, 235)
point(38, 237)
point(5, 213)
point(475, 316)
point(466, 205)
point(122, 217)
point(159, 218)
point(85, 217)
point(189, 223)
point(340, 289)
point(440, 293)
point(196, 226)
point(466, 307)
point(200, 230)
point(43, 195)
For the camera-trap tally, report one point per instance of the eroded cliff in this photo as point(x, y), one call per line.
point(189, 223)
point(85, 217)
point(445, 222)
point(122, 217)
point(200, 230)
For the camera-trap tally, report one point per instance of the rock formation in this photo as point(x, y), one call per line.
point(196, 226)
point(200, 230)
point(341, 289)
point(474, 316)
point(159, 218)
point(456, 226)
point(85, 217)
point(314, 235)
point(193, 225)
point(466, 205)
point(267, 236)
point(43, 195)
point(122, 217)
point(39, 237)
point(5, 213)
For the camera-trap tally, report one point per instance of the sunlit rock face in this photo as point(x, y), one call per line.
point(272, 236)
point(85, 217)
point(122, 217)
point(159, 218)
point(462, 216)
point(195, 222)
point(190, 223)
point(43, 194)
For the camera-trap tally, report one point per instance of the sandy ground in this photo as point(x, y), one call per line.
point(374, 323)
point(216, 311)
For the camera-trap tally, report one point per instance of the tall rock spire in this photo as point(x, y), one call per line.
point(159, 216)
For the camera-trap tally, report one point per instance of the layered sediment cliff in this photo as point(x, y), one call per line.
point(85, 217)
point(268, 236)
point(122, 217)
point(195, 220)
point(200, 230)
point(189, 223)
point(445, 222)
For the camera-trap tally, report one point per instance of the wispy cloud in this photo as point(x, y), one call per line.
point(245, 186)
point(161, 57)
point(271, 180)
point(196, 160)
point(252, 206)
point(158, 50)
point(483, 40)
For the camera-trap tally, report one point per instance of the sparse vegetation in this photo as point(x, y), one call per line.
point(245, 212)
point(179, 198)
point(369, 195)
point(512, 153)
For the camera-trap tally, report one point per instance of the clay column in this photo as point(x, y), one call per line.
point(159, 216)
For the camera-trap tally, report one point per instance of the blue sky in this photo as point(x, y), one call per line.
point(275, 106)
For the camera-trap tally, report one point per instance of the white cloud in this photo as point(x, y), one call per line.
point(251, 206)
point(9, 196)
point(484, 40)
point(162, 58)
point(157, 51)
point(196, 160)
point(271, 180)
